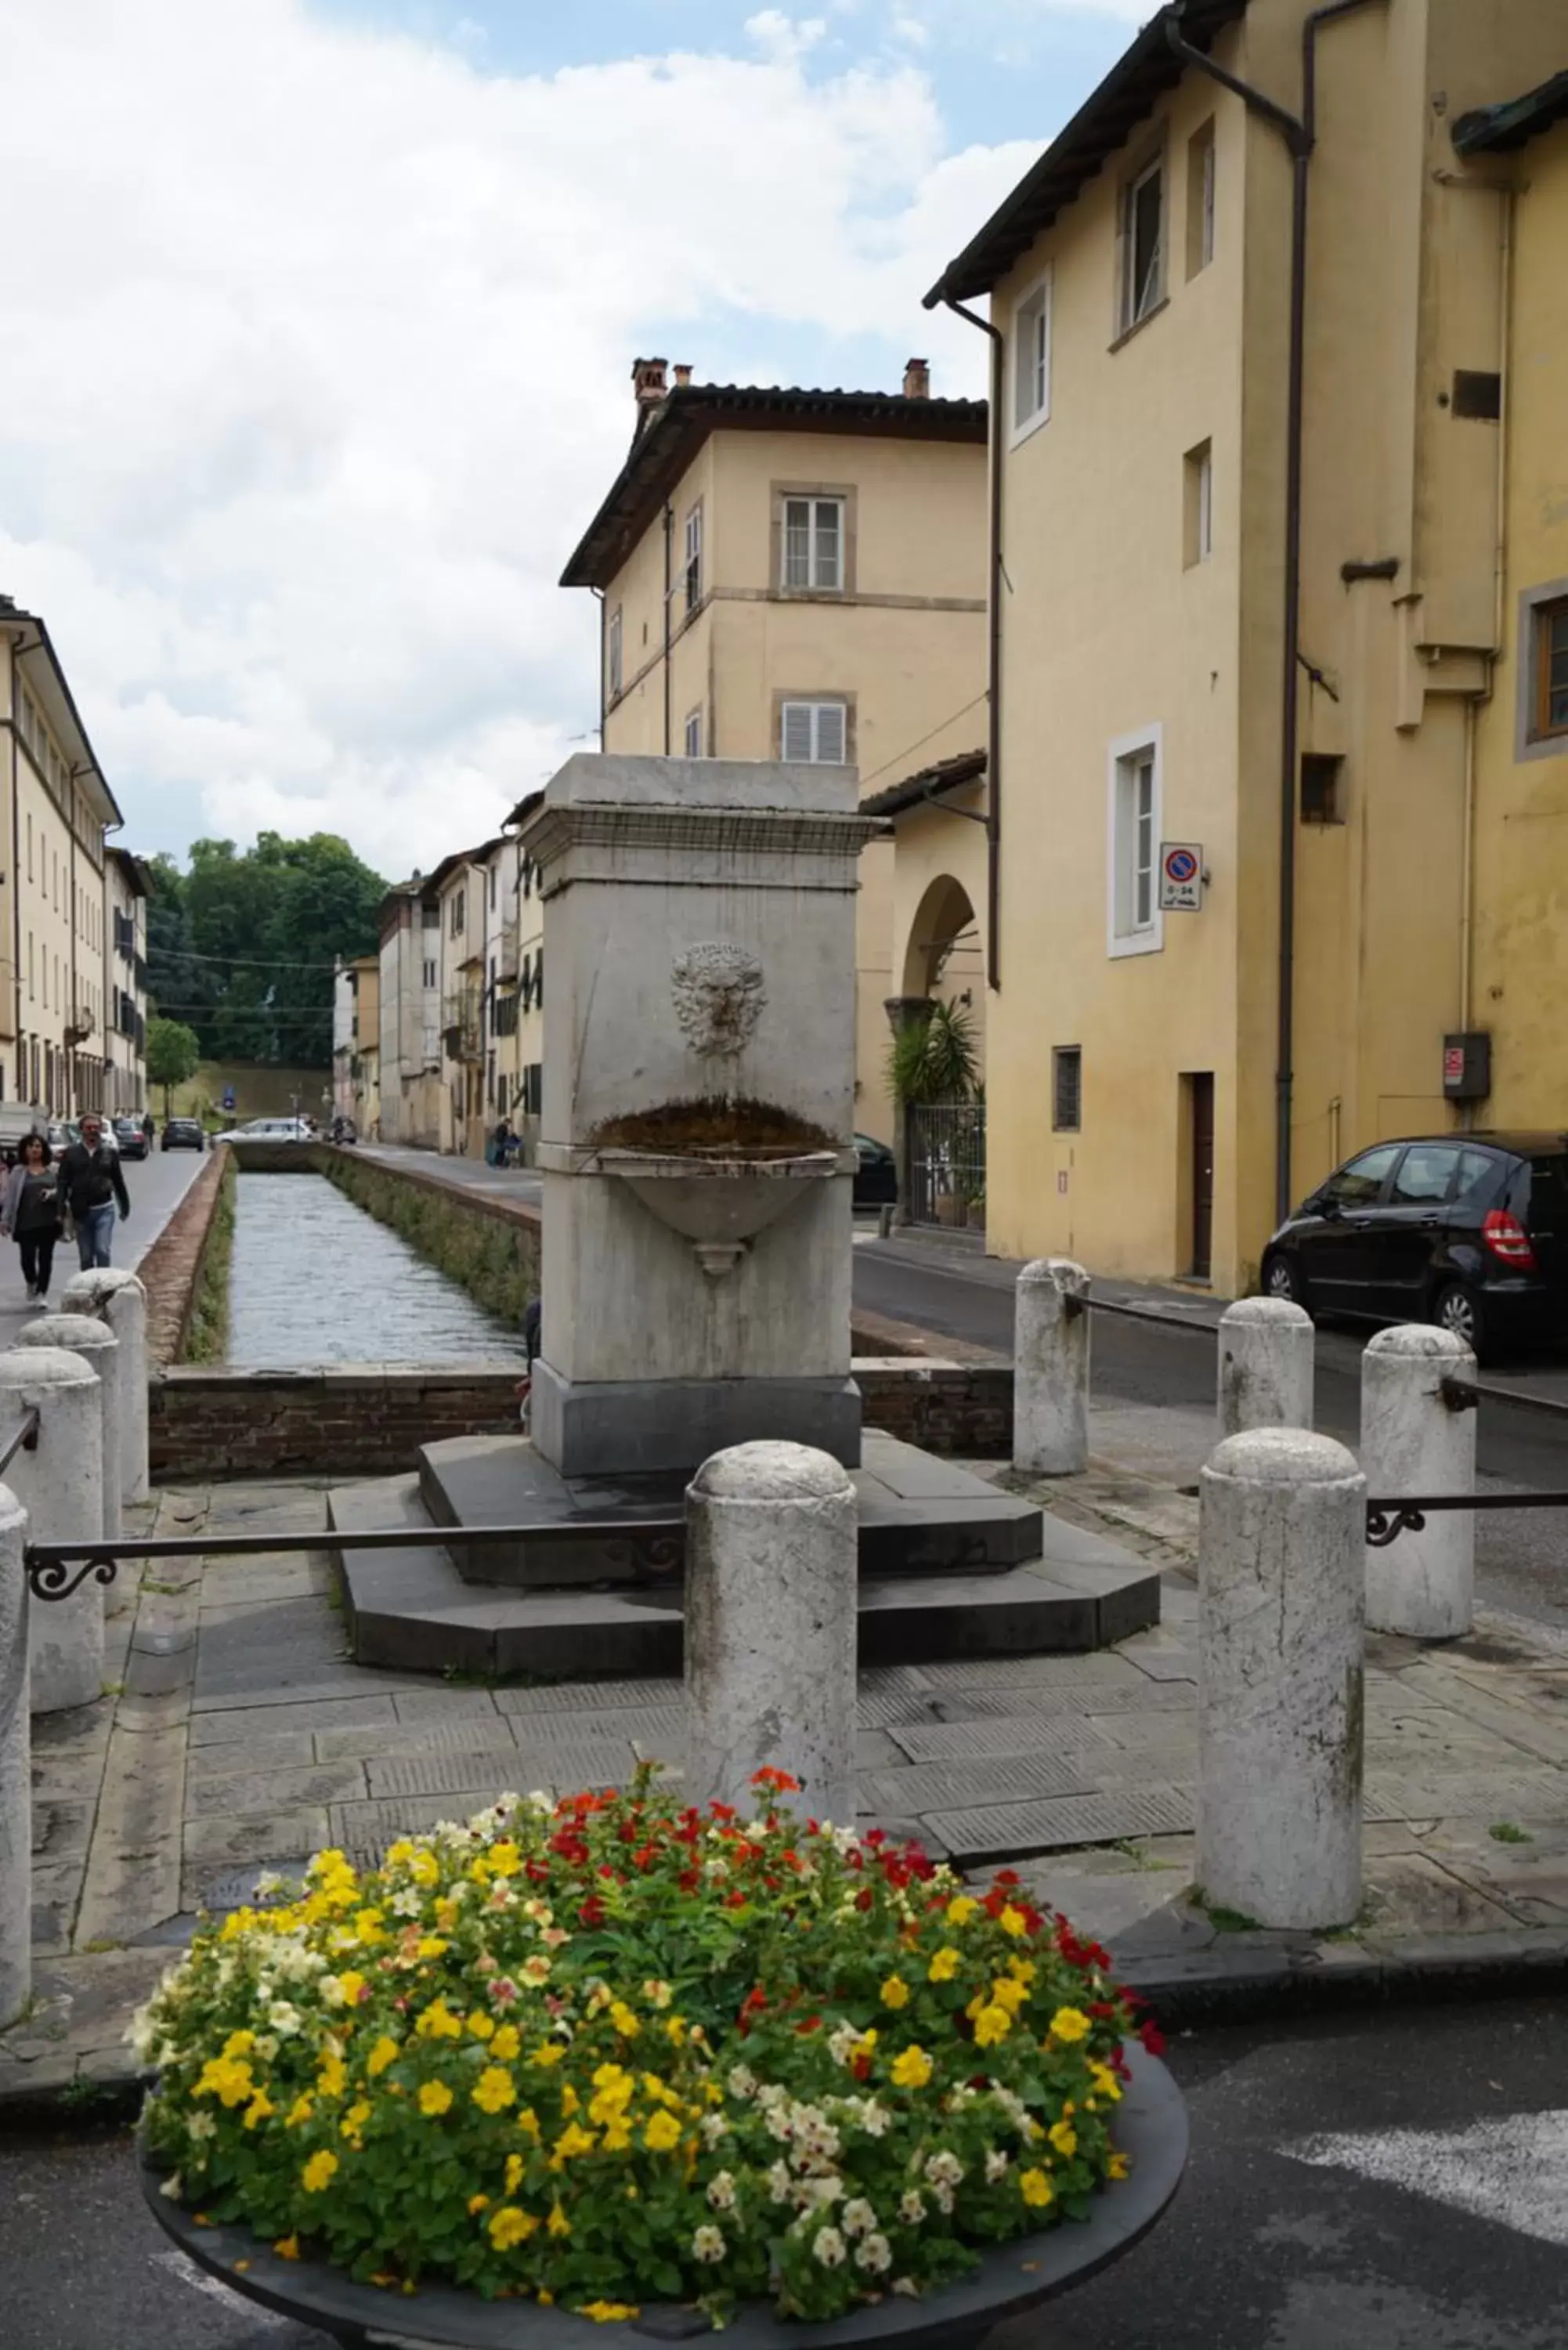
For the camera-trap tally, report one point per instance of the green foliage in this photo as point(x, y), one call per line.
point(933, 1058)
point(172, 1053)
point(240, 946)
point(1509, 1832)
point(495, 1259)
point(207, 1332)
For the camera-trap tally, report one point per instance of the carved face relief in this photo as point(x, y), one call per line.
point(717, 988)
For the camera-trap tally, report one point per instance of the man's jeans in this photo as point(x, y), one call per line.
point(95, 1235)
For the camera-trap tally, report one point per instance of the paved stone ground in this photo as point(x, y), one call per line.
point(238, 1733)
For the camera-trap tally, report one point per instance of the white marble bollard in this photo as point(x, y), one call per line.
point(1267, 1358)
point(1413, 1441)
point(60, 1485)
point(771, 1588)
point(120, 1299)
point(1051, 1368)
point(15, 1768)
point(1280, 1679)
point(82, 1334)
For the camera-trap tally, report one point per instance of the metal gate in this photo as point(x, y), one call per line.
point(947, 1163)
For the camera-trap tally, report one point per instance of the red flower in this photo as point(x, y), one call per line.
point(780, 1781)
point(736, 1900)
point(723, 1810)
point(812, 2023)
point(592, 1912)
point(861, 2067)
point(1005, 1877)
point(865, 1899)
point(756, 1999)
point(537, 1872)
point(1153, 2038)
point(874, 1836)
point(690, 1879)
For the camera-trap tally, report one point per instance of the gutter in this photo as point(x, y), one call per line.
point(993, 647)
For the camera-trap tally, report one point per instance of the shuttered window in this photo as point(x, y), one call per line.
point(814, 732)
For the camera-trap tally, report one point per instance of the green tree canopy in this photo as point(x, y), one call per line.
point(172, 1053)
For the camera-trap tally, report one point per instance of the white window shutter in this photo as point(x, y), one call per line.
point(830, 733)
point(796, 730)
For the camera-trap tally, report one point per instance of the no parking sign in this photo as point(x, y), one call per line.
point(1181, 877)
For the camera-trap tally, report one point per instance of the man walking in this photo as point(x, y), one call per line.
point(92, 1186)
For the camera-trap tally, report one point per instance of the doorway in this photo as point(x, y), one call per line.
point(1200, 1086)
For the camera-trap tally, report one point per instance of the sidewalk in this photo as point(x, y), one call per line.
point(241, 1736)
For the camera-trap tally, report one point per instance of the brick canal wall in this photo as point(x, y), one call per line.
point(171, 1268)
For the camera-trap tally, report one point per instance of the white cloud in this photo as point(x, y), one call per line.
point(318, 348)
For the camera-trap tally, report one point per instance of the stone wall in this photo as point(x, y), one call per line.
point(963, 1409)
point(172, 1265)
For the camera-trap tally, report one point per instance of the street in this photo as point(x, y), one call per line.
point(1395, 2181)
point(156, 1186)
point(1153, 1391)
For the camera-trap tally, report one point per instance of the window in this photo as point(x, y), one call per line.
point(1031, 360)
point(1360, 1185)
point(429, 974)
point(813, 543)
point(613, 654)
point(695, 734)
point(1201, 199)
point(1134, 922)
point(495, 884)
point(459, 917)
point(813, 733)
point(1067, 1088)
point(1424, 1174)
point(527, 875)
point(1550, 650)
point(1479, 1173)
point(693, 572)
point(31, 991)
point(1143, 259)
point(29, 847)
point(1321, 771)
point(1198, 504)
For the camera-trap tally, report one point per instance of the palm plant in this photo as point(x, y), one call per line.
point(933, 1058)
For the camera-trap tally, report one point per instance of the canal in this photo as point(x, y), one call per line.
point(313, 1279)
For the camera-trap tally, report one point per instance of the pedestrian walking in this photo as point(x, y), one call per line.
point(92, 1186)
point(30, 1214)
point(148, 1127)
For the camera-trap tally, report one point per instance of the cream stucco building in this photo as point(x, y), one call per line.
point(798, 575)
point(125, 984)
point(1161, 1080)
point(410, 1060)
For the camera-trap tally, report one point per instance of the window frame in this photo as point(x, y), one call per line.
point(693, 725)
point(1198, 505)
point(691, 559)
point(1201, 183)
point(812, 585)
point(1041, 292)
point(615, 656)
point(1062, 1055)
point(1125, 757)
point(1545, 618)
point(817, 703)
point(1129, 313)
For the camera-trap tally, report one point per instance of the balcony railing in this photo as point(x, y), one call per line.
point(79, 1026)
point(459, 1027)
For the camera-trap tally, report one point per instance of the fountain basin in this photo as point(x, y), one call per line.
point(718, 1202)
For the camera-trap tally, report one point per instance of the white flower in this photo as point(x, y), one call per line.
point(332, 1993)
point(828, 2246)
point(873, 2117)
point(995, 2168)
point(771, 2094)
point(268, 1883)
point(875, 2256)
point(744, 2084)
point(713, 2127)
point(202, 2125)
point(944, 2169)
point(172, 2187)
point(781, 2186)
point(818, 2194)
point(722, 2191)
point(944, 2196)
point(708, 2244)
point(843, 2043)
point(907, 2287)
point(266, 2046)
point(857, 2217)
point(408, 1904)
point(912, 2209)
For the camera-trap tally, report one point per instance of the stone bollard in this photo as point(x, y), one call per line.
point(80, 1334)
point(15, 1767)
point(1267, 1357)
point(1280, 1679)
point(120, 1299)
point(60, 1486)
point(1413, 1441)
point(1051, 1368)
point(771, 1589)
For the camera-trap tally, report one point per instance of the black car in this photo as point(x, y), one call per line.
point(1467, 1231)
point(876, 1173)
point(184, 1134)
point(132, 1140)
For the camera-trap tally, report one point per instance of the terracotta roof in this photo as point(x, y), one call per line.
point(1102, 125)
point(675, 431)
point(929, 783)
point(1498, 130)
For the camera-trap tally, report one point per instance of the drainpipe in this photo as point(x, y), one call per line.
point(599, 597)
point(994, 648)
point(1300, 137)
point(1478, 702)
point(669, 591)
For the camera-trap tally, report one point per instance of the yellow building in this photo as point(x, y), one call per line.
point(125, 984)
point(55, 809)
point(515, 994)
point(357, 1043)
point(461, 886)
point(798, 575)
point(1266, 650)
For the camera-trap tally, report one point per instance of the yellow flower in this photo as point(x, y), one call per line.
point(258, 2109)
point(510, 2226)
point(528, 2122)
point(662, 2132)
point(438, 2022)
point(943, 1966)
point(483, 2026)
point(1013, 1921)
point(656, 1993)
point(558, 2223)
point(300, 2111)
point(604, 2311)
point(505, 1860)
point(617, 2139)
point(478, 2203)
point(1117, 2167)
point(367, 1925)
point(1106, 2082)
point(287, 2248)
point(318, 2172)
point(429, 1946)
point(355, 2119)
point(1023, 1971)
point(962, 1909)
point(333, 2077)
point(992, 2025)
point(621, 2016)
point(479, 1869)
point(351, 1983)
point(1005, 1992)
point(549, 2052)
point(570, 2101)
point(1065, 2138)
point(895, 1991)
point(384, 2053)
point(239, 2044)
point(912, 2070)
point(574, 2140)
point(507, 2046)
point(675, 2029)
point(1038, 2187)
point(434, 2098)
point(515, 2168)
point(1070, 2023)
point(493, 2089)
point(424, 1868)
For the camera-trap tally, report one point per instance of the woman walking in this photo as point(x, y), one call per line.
point(30, 1214)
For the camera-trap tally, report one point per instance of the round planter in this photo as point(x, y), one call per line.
point(1151, 2129)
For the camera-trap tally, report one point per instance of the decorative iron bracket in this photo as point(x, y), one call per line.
point(53, 1578)
point(1386, 1525)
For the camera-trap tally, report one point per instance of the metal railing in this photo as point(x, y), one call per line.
point(24, 1438)
point(946, 1149)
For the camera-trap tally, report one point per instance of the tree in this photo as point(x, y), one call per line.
point(933, 1059)
point(172, 1053)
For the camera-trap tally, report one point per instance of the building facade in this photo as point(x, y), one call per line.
point(1244, 665)
point(798, 575)
point(408, 1064)
point(461, 884)
point(357, 1043)
point(125, 984)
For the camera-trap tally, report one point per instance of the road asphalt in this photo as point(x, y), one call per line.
point(156, 1186)
point(1395, 2181)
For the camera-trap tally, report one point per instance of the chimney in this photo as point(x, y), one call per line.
point(917, 379)
point(682, 376)
point(647, 383)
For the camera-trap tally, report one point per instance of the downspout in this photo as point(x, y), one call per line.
point(994, 648)
point(22, 1082)
point(598, 596)
point(669, 591)
point(1477, 703)
point(1300, 137)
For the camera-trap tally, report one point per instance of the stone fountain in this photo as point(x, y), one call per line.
point(699, 939)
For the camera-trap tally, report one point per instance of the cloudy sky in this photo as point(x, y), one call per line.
point(318, 321)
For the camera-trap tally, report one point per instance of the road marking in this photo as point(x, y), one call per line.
point(179, 2265)
point(1513, 2171)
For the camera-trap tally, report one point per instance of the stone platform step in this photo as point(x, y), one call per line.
point(411, 1609)
point(918, 1516)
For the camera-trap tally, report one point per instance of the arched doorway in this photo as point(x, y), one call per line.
point(944, 1164)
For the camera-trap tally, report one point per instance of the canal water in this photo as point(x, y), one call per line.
point(316, 1280)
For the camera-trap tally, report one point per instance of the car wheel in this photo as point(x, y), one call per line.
point(1459, 1311)
point(1280, 1280)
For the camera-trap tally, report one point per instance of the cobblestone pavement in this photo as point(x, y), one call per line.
point(238, 1733)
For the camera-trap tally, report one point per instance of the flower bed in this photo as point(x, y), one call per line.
point(606, 2052)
